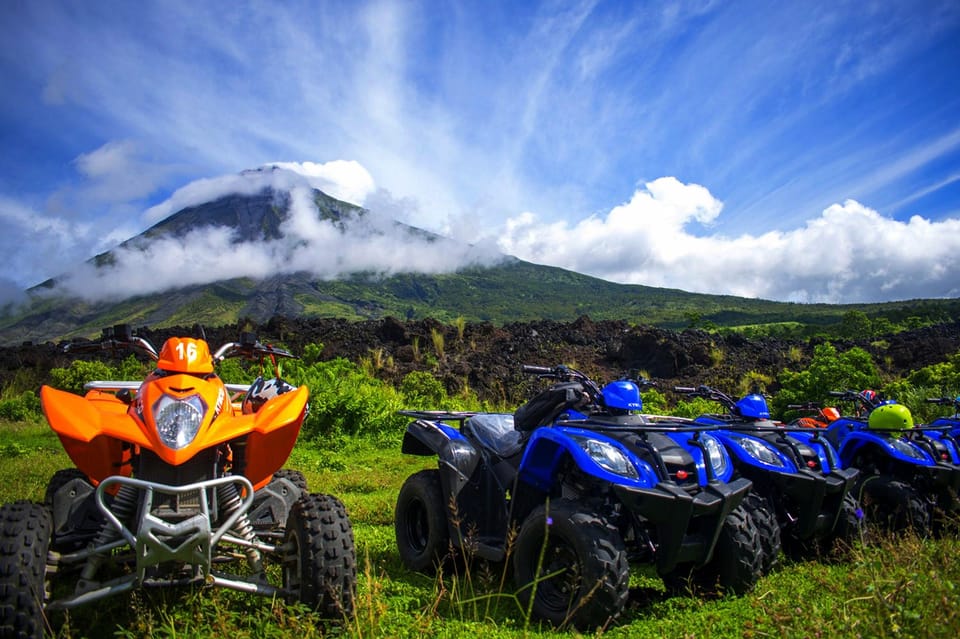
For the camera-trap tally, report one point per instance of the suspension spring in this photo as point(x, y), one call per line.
point(124, 507)
point(229, 498)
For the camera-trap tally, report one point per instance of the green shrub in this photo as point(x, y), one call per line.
point(423, 391)
point(695, 406)
point(21, 408)
point(828, 371)
point(346, 401)
point(79, 373)
point(654, 402)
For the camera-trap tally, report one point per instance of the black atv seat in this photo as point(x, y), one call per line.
point(495, 432)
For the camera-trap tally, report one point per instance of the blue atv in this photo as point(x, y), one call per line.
point(801, 500)
point(573, 488)
point(907, 479)
point(945, 430)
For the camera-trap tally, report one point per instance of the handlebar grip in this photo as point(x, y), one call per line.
point(684, 389)
point(837, 393)
point(538, 370)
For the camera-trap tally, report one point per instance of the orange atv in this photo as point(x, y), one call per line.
point(178, 480)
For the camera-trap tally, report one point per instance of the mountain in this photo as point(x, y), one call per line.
point(499, 291)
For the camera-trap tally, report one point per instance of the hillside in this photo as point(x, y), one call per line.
point(510, 290)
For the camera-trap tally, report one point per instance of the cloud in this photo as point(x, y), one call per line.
point(373, 244)
point(116, 173)
point(850, 253)
point(342, 179)
point(345, 180)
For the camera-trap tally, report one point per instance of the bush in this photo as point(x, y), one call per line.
point(828, 371)
point(423, 391)
point(346, 401)
point(24, 407)
point(79, 373)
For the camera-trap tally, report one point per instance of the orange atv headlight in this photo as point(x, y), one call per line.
point(178, 419)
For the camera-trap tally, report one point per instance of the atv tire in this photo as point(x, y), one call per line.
point(295, 477)
point(25, 530)
point(572, 565)
point(320, 567)
point(734, 568)
point(420, 522)
point(849, 529)
point(895, 506)
point(768, 528)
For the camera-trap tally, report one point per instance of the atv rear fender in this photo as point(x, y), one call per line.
point(457, 457)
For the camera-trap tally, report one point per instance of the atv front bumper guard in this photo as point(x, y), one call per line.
point(156, 541)
point(687, 525)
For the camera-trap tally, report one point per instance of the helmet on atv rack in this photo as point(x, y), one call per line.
point(890, 417)
point(753, 406)
point(622, 395)
point(262, 390)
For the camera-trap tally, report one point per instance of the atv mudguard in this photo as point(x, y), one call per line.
point(456, 455)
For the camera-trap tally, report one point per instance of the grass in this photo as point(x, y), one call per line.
point(905, 587)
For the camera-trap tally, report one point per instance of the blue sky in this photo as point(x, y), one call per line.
point(806, 151)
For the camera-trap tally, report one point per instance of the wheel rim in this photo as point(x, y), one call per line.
point(417, 526)
point(559, 576)
point(292, 570)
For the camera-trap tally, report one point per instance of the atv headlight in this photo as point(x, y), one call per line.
point(908, 449)
point(178, 419)
point(759, 449)
point(716, 454)
point(608, 456)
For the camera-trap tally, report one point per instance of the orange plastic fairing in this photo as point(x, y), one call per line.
point(97, 429)
point(186, 355)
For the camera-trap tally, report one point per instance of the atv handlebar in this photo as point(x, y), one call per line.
point(708, 393)
point(121, 337)
point(944, 401)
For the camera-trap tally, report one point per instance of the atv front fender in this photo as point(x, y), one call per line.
point(549, 448)
point(457, 458)
point(894, 448)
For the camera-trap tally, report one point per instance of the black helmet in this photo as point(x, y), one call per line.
point(263, 389)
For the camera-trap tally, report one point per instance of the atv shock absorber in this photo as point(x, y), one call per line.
point(124, 507)
point(229, 498)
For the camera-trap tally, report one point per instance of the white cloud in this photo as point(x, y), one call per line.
point(372, 244)
point(116, 172)
point(850, 253)
point(345, 180)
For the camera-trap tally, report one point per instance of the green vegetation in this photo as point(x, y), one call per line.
point(512, 291)
point(902, 587)
point(350, 447)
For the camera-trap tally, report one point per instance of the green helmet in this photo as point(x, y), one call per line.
point(890, 417)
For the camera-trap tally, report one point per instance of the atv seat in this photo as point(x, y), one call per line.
point(496, 433)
